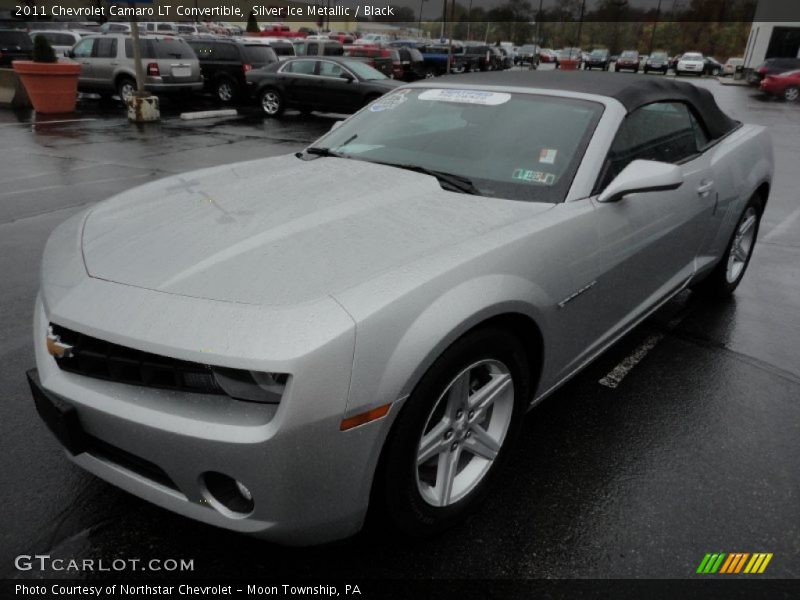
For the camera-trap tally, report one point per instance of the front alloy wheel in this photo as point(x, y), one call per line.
point(791, 94)
point(464, 432)
point(454, 433)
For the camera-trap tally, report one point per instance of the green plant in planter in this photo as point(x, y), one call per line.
point(42, 50)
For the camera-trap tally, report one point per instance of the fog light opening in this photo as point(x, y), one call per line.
point(229, 492)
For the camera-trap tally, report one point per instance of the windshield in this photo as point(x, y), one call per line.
point(658, 56)
point(630, 54)
point(363, 71)
point(599, 53)
point(507, 145)
point(692, 56)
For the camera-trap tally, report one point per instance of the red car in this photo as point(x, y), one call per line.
point(784, 85)
point(385, 60)
point(628, 60)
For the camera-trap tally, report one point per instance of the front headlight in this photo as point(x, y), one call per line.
point(252, 386)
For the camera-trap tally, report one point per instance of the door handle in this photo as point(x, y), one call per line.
point(705, 187)
point(114, 63)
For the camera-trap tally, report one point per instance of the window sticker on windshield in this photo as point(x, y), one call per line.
point(466, 96)
point(534, 176)
point(547, 156)
point(389, 101)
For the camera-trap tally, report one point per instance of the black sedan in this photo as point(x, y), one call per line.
point(326, 84)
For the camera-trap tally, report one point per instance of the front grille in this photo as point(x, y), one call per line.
point(99, 359)
point(128, 461)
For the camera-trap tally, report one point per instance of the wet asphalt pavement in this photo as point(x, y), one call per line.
point(697, 450)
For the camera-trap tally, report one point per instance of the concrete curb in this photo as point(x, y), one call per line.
point(208, 114)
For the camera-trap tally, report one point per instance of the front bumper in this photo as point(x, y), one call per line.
point(310, 481)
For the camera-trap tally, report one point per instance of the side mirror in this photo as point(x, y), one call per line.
point(70, 53)
point(642, 176)
point(347, 77)
point(336, 124)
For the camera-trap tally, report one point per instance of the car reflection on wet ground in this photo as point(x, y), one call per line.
point(695, 450)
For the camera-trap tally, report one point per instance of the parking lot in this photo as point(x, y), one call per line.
point(695, 451)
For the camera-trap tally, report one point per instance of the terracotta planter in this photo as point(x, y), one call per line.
point(568, 64)
point(52, 87)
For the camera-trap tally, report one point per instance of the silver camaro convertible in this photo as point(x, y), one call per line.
point(277, 346)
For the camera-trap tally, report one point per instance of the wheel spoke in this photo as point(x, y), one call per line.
point(747, 225)
point(740, 253)
point(480, 443)
point(483, 398)
point(446, 475)
point(457, 395)
point(432, 443)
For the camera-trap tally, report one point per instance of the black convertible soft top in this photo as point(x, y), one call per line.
point(631, 90)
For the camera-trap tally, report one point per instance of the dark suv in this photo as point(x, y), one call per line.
point(599, 58)
point(15, 44)
point(225, 62)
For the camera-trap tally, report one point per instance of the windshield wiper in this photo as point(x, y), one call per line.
point(317, 151)
point(456, 183)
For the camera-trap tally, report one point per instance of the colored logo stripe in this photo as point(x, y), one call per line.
point(723, 563)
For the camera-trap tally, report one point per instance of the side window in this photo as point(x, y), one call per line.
point(84, 48)
point(225, 52)
point(304, 67)
point(663, 131)
point(329, 69)
point(106, 48)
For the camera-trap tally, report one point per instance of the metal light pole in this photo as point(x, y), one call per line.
point(469, 19)
point(419, 24)
point(450, 45)
point(444, 18)
point(539, 25)
point(655, 24)
point(137, 54)
point(580, 26)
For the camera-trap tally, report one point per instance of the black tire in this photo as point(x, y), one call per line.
point(226, 90)
point(430, 73)
point(399, 493)
point(721, 282)
point(271, 102)
point(791, 94)
point(125, 88)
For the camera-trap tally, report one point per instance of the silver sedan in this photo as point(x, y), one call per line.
point(276, 346)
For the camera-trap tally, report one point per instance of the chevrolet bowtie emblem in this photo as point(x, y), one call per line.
point(56, 347)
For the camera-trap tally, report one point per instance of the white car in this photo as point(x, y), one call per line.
point(276, 345)
point(690, 63)
point(376, 39)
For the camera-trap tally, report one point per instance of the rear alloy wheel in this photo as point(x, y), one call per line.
point(454, 432)
point(791, 94)
point(126, 88)
point(271, 102)
point(725, 277)
point(226, 91)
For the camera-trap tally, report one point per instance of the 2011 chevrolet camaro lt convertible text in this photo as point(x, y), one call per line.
point(275, 346)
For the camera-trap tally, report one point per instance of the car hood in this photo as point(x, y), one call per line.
point(282, 230)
